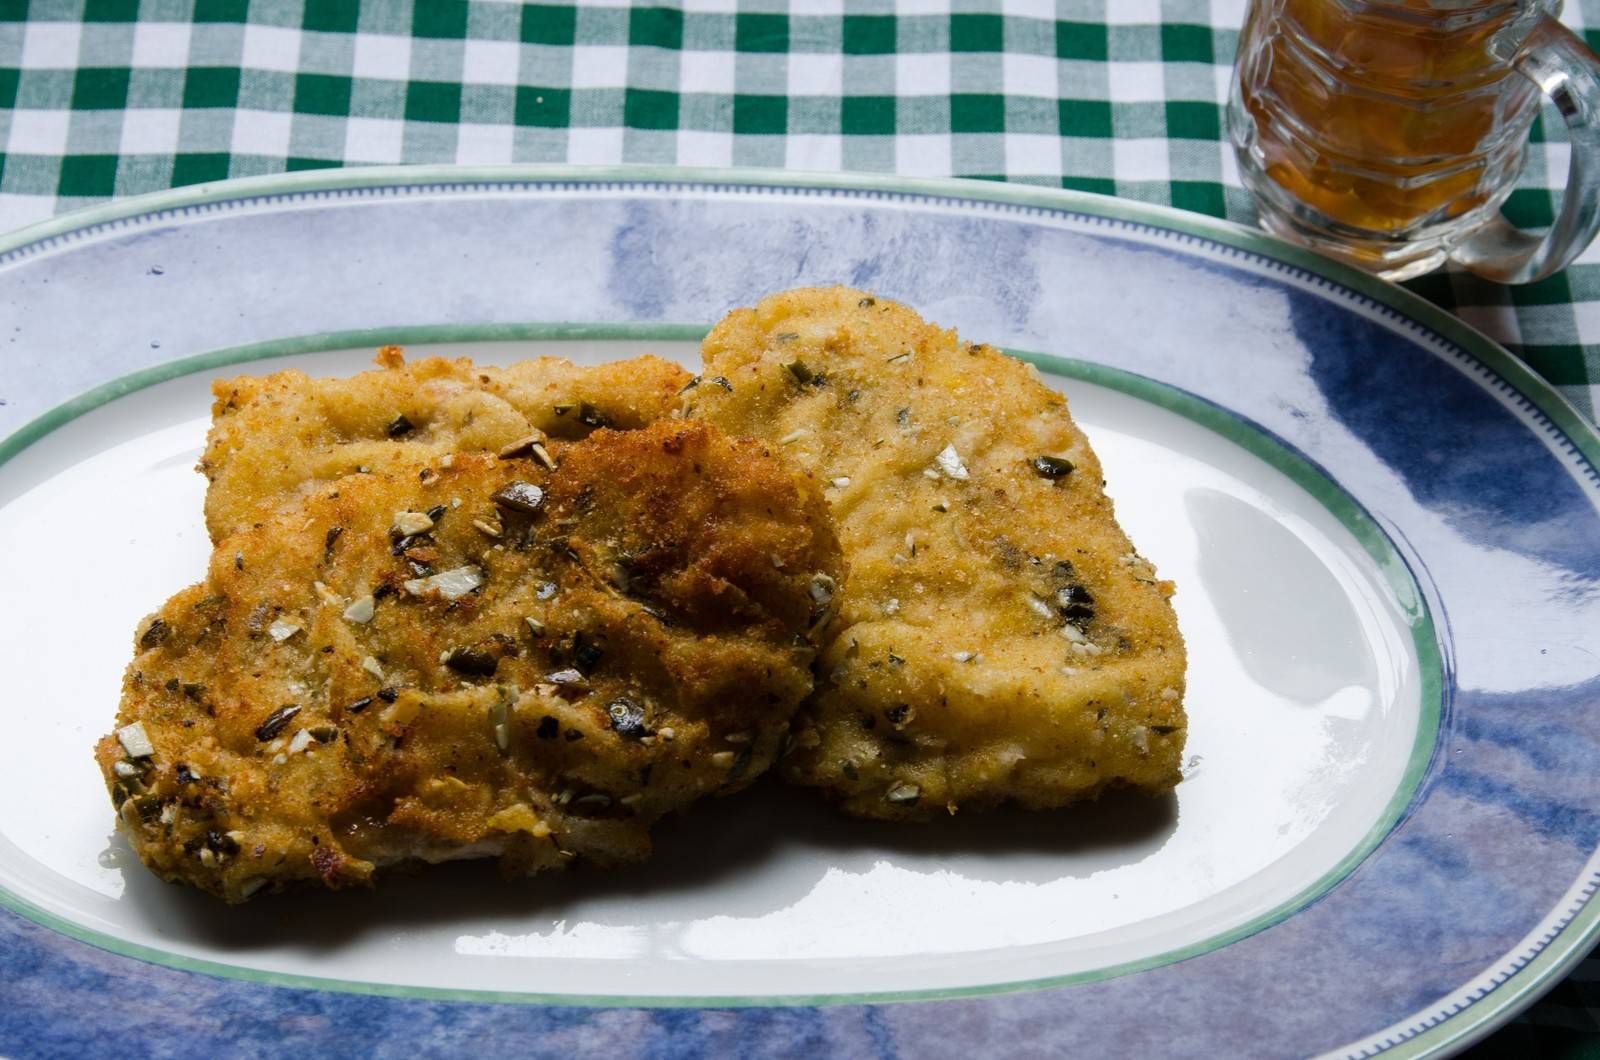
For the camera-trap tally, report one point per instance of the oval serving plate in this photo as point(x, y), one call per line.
point(1384, 530)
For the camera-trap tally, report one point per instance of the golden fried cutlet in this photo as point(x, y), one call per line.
point(272, 436)
point(493, 659)
point(999, 638)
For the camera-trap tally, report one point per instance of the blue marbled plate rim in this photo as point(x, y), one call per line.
point(1460, 1018)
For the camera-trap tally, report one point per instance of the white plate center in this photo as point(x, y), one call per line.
point(1304, 703)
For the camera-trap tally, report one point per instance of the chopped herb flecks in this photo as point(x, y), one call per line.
point(276, 722)
point(903, 794)
point(282, 629)
point(1052, 467)
point(410, 524)
point(157, 632)
point(500, 720)
point(135, 742)
point(627, 718)
point(822, 589)
point(519, 496)
point(361, 609)
point(450, 584)
point(586, 654)
point(471, 662)
point(949, 462)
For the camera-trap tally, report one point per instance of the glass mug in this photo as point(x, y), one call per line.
point(1387, 133)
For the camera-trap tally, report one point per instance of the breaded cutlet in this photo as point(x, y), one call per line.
point(276, 435)
point(530, 657)
point(999, 639)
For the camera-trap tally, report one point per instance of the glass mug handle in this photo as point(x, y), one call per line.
point(1566, 71)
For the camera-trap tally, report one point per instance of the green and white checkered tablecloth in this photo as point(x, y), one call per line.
point(105, 98)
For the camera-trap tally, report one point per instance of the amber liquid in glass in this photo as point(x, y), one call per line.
point(1384, 124)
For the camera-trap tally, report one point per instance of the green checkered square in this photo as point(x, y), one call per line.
point(549, 108)
point(760, 115)
point(549, 24)
point(868, 35)
point(1082, 40)
point(768, 34)
point(206, 87)
point(977, 33)
point(321, 94)
point(100, 88)
point(435, 101)
point(655, 27)
point(332, 16)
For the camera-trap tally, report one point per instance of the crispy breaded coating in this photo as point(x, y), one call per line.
point(491, 659)
point(999, 638)
point(273, 436)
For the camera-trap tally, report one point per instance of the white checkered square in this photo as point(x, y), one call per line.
point(1133, 12)
point(709, 72)
point(274, 48)
point(261, 132)
point(1228, 14)
point(1136, 82)
point(1557, 160)
point(1230, 166)
point(50, 45)
point(151, 131)
point(923, 156)
point(382, 57)
point(19, 211)
point(160, 44)
point(491, 62)
point(919, 74)
point(1222, 79)
point(1140, 160)
point(374, 140)
point(599, 66)
point(38, 132)
point(1041, 9)
point(1033, 155)
point(1029, 75)
point(594, 147)
point(813, 152)
point(479, 144)
point(701, 148)
point(816, 75)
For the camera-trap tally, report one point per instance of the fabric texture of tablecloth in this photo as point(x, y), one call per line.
point(109, 98)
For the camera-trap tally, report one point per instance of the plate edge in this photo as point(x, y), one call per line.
point(1401, 304)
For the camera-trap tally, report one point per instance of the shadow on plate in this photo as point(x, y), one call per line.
point(742, 857)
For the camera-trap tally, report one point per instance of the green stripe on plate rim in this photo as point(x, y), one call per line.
point(1248, 437)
